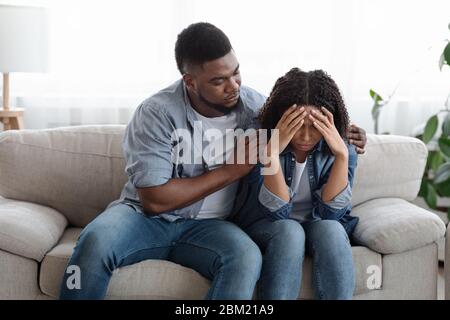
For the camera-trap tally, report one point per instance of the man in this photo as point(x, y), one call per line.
point(177, 211)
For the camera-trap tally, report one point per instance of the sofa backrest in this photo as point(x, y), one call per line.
point(79, 170)
point(392, 167)
point(76, 170)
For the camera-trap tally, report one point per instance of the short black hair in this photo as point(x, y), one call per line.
point(199, 43)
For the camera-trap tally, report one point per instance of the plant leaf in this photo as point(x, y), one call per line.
point(446, 126)
point(431, 197)
point(444, 145)
point(441, 61)
point(447, 54)
point(442, 174)
point(423, 188)
point(444, 188)
point(375, 96)
point(430, 157)
point(436, 161)
point(430, 129)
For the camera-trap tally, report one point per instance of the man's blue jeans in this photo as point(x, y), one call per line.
point(283, 244)
point(120, 236)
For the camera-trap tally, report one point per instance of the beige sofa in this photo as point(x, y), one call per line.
point(53, 182)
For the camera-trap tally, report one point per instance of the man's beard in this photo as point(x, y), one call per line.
point(218, 107)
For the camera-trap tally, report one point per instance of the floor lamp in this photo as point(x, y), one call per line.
point(23, 48)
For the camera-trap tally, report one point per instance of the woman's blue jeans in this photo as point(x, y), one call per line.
point(283, 244)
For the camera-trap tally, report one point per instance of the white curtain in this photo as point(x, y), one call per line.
point(107, 56)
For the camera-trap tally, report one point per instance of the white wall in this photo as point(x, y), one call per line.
point(106, 56)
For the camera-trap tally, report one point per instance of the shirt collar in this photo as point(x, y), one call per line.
point(191, 117)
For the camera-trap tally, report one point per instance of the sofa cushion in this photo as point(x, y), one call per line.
point(392, 225)
point(392, 166)
point(29, 230)
point(159, 279)
point(76, 170)
point(149, 279)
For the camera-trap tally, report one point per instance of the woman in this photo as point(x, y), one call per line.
point(306, 204)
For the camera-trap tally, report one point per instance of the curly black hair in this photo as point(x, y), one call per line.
point(199, 43)
point(313, 88)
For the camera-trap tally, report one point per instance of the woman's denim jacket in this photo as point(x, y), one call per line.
point(254, 201)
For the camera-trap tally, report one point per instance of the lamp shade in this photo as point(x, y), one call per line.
point(23, 39)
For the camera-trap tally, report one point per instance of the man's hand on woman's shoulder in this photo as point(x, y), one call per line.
point(357, 137)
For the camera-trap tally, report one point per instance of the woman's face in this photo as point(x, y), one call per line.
point(307, 136)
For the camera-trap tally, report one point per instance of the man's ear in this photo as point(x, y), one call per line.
point(189, 81)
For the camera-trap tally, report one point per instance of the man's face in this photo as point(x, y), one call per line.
point(217, 83)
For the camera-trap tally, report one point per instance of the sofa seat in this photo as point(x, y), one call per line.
point(158, 279)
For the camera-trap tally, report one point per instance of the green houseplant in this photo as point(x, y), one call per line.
point(378, 104)
point(436, 178)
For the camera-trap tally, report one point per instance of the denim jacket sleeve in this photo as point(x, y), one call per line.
point(249, 205)
point(273, 206)
point(336, 208)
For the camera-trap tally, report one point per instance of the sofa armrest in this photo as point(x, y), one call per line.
point(29, 230)
point(392, 167)
point(392, 225)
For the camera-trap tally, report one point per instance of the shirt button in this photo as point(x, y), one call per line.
point(310, 177)
point(289, 178)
